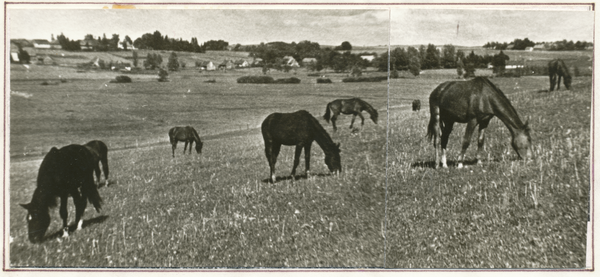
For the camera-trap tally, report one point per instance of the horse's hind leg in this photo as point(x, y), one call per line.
point(558, 83)
point(466, 140)
point(352, 122)
point(362, 119)
point(104, 162)
point(64, 214)
point(185, 147)
point(333, 119)
point(552, 82)
point(80, 204)
point(272, 151)
point(174, 145)
point(307, 159)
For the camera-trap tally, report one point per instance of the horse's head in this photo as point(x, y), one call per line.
point(37, 222)
point(568, 81)
point(333, 160)
point(199, 147)
point(522, 143)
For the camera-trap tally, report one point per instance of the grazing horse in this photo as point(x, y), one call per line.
point(186, 134)
point(299, 129)
point(352, 106)
point(64, 172)
point(416, 105)
point(474, 102)
point(557, 67)
point(100, 152)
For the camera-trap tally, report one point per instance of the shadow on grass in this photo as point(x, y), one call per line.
point(430, 164)
point(73, 227)
point(297, 177)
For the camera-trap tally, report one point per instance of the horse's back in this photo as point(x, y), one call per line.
point(287, 128)
point(459, 101)
point(66, 166)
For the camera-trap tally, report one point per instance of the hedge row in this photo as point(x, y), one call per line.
point(365, 79)
point(324, 81)
point(266, 80)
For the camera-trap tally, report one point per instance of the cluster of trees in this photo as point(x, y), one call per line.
point(156, 41)
point(67, 44)
point(521, 44)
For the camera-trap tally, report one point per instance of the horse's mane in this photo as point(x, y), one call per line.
point(368, 106)
point(323, 138)
point(43, 196)
point(195, 133)
point(502, 97)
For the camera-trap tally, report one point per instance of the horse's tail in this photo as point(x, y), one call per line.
point(434, 117)
point(327, 115)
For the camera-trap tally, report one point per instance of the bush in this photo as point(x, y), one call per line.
point(314, 74)
point(255, 80)
point(291, 80)
point(121, 79)
point(210, 81)
point(324, 81)
point(47, 83)
point(365, 79)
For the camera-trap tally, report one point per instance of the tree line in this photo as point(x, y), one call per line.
point(521, 44)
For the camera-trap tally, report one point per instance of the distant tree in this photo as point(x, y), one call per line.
point(499, 62)
point(113, 43)
point(163, 75)
point(153, 61)
point(346, 46)
point(356, 72)
point(432, 57)
point(459, 67)
point(448, 59)
point(414, 61)
point(126, 41)
point(173, 64)
point(135, 58)
point(24, 57)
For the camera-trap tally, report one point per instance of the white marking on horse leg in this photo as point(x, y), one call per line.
point(460, 165)
point(444, 165)
point(79, 224)
point(65, 232)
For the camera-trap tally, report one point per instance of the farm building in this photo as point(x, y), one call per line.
point(88, 44)
point(41, 44)
point(528, 48)
point(289, 60)
point(55, 44)
point(307, 61)
point(207, 65)
point(45, 60)
point(14, 52)
point(257, 62)
point(368, 57)
point(539, 47)
point(122, 45)
point(241, 63)
point(226, 64)
point(514, 64)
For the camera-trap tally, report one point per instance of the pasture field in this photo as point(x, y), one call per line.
point(506, 213)
point(210, 210)
point(218, 210)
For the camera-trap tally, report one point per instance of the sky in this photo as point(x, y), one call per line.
point(380, 25)
point(250, 26)
point(477, 27)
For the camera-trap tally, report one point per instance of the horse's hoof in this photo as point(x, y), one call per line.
point(65, 234)
point(460, 165)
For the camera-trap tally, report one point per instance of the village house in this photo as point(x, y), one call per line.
point(309, 61)
point(88, 44)
point(208, 66)
point(369, 58)
point(290, 61)
point(41, 44)
point(241, 63)
point(226, 64)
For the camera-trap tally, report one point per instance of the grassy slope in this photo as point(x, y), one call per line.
point(212, 210)
point(506, 213)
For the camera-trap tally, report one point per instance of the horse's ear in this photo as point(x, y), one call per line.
point(337, 145)
point(26, 206)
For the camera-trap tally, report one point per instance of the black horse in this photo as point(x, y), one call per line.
point(64, 172)
point(100, 152)
point(474, 102)
point(416, 105)
point(558, 68)
point(299, 129)
point(186, 134)
point(352, 106)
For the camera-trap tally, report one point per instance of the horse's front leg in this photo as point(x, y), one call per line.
point(362, 119)
point(552, 82)
point(272, 151)
point(174, 145)
point(64, 214)
point(296, 160)
point(352, 122)
point(446, 130)
point(191, 144)
point(466, 141)
point(481, 140)
point(558, 83)
point(307, 159)
point(185, 146)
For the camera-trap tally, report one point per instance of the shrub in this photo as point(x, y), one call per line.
point(314, 74)
point(324, 81)
point(163, 75)
point(255, 80)
point(364, 79)
point(291, 80)
point(210, 81)
point(121, 79)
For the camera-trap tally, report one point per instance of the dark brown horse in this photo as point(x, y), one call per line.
point(352, 106)
point(474, 102)
point(186, 134)
point(100, 152)
point(558, 68)
point(299, 129)
point(64, 172)
point(416, 105)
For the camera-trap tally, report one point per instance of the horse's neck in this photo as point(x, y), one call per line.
point(508, 115)
point(42, 198)
point(322, 138)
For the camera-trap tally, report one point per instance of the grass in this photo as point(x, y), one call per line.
point(506, 213)
point(218, 210)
